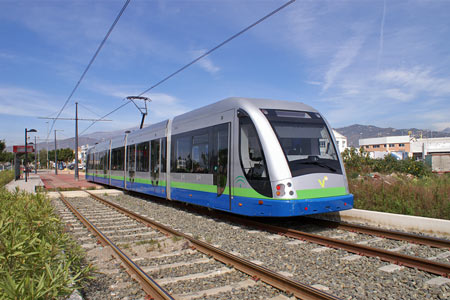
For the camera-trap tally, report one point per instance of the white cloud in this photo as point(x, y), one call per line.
point(398, 94)
point(343, 58)
point(411, 83)
point(311, 82)
point(25, 102)
point(206, 62)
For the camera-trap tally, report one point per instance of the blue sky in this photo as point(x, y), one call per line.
point(383, 63)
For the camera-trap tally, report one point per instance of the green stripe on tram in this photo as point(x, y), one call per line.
point(237, 191)
point(194, 186)
point(321, 193)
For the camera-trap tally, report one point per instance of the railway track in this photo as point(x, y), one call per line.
point(441, 269)
point(169, 281)
point(335, 270)
point(384, 233)
point(427, 265)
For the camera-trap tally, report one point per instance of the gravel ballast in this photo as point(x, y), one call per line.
point(336, 271)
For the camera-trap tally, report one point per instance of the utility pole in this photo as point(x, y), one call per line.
point(47, 143)
point(56, 157)
point(76, 141)
point(35, 156)
point(76, 135)
point(26, 151)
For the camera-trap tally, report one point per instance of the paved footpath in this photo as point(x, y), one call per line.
point(50, 181)
point(66, 181)
point(29, 186)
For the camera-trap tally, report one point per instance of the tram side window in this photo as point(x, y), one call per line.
point(163, 154)
point(101, 160)
point(117, 159)
point(107, 160)
point(182, 159)
point(154, 160)
point(200, 153)
point(96, 160)
point(252, 157)
point(131, 153)
point(88, 162)
point(142, 157)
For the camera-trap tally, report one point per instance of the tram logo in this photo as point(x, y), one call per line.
point(322, 182)
point(239, 180)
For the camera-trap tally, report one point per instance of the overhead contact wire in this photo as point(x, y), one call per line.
point(199, 58)
point(90, 63)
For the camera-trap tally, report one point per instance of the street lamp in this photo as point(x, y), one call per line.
point(26, 151)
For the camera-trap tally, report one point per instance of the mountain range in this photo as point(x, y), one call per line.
point(357, 131)
point(353, 134)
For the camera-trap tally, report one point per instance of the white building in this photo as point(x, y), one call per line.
point(435, 151)
point(341, 141)
point(379, 147)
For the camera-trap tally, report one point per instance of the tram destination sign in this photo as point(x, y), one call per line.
point(21, 148)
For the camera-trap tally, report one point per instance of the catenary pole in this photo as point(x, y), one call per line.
point(76, 141)
point(56, 157)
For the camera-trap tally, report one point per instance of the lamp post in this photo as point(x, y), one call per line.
point(35, 155)
point(26, 151)
point(48, 134)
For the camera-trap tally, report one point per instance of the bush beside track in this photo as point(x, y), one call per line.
point(37, 259)
point(397, 186)
point(6, 177)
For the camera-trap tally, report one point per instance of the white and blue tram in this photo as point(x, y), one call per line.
point(252, 157)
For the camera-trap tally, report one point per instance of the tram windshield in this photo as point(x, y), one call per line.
point(305, 140)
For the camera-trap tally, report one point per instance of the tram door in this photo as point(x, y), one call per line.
point(155, 163)
point(221, 163)
point(131, 165)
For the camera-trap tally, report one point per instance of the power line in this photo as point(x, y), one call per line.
point(218, 46)
point(91, 61)
point(88, 109)
point(116, 109)
point(198, 58)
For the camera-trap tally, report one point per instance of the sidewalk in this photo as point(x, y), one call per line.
point(66, 181)
point(29, 186)
point(47, 180)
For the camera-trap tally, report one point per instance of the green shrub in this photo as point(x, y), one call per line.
point(359, 162)
point(37, 259)
point(424, 196)
point(6, 177)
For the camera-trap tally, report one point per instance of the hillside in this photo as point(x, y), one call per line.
point(357, 131)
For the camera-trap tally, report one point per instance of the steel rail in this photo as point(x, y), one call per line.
point(147, 283)
point(272, 278)
point(427, 265)
point(385, 233)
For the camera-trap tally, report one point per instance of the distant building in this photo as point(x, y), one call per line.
point(82, 153)
point(435, 152)
point(379, 147)
point(341, 141)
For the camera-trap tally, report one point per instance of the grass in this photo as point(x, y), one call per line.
point(427, 196)
point(37, 259)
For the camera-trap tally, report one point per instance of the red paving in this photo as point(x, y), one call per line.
point(66, 181)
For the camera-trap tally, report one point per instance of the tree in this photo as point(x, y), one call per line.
point(2, 145)
point(65, 154)
point(5, 156)
point(43, 158)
